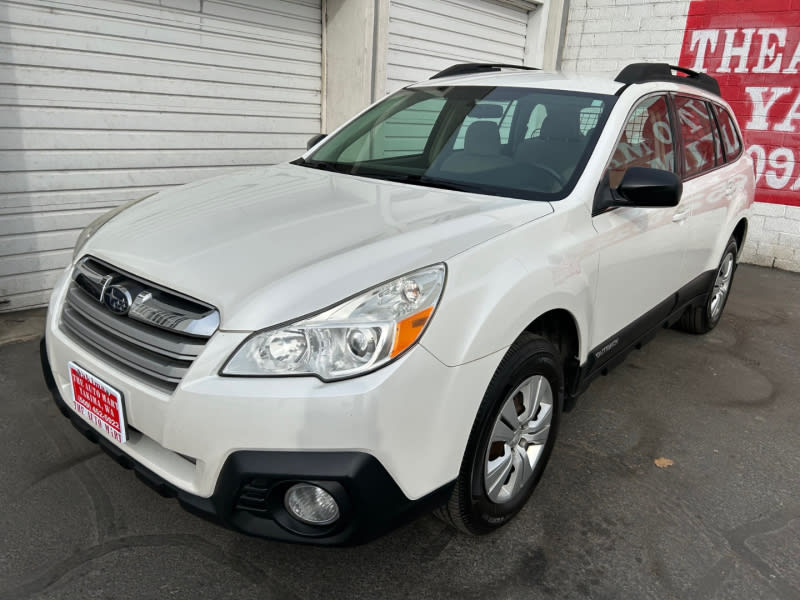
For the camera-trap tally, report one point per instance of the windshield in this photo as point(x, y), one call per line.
point(519, 142)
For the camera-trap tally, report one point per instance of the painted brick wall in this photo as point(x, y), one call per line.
point(774, 237)
point(604, 35)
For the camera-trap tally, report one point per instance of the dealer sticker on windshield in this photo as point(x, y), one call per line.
point(98, 403)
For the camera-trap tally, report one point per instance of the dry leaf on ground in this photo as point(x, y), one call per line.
point(663, 463)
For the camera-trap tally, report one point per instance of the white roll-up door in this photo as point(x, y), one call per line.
point(425, 36)
point(105, 101)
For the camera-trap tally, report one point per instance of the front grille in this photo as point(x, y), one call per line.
point(150, 332)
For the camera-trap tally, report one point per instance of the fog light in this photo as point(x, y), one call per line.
point(311, 504)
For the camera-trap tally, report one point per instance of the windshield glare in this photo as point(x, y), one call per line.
point(518, 142)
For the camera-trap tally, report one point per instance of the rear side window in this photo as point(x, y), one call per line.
point(697, 132)
point(717, 142)
point(730, 138)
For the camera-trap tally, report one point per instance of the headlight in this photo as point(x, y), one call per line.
point(92, 227)
point(352, 338)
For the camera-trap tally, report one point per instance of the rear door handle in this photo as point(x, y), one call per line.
point(681, 215)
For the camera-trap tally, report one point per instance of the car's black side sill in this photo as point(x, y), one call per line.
point(613, 351)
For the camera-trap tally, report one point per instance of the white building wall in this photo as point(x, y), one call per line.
point(105, 101)
point(374, 47)
point(602, 36)
point(426, 36)
point(605, 35)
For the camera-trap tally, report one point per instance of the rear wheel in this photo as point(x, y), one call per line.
point(702, 318)
point(511, 439)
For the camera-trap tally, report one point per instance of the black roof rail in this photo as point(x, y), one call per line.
point(465, 68)
point(644, 72)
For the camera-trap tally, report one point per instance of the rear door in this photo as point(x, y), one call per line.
point(641, 249)
point(706, 184)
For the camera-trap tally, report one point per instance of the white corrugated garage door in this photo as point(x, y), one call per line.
point(425, 36)
point(103, 101)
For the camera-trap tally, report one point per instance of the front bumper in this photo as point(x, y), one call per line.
point(390, 439)
point(249, 493)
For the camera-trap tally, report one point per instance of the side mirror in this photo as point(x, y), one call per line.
point(642, 187)
point(315, 139)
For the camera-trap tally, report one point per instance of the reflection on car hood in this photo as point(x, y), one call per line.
point(271, 244)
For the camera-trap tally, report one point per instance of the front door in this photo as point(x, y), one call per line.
point(641, 249)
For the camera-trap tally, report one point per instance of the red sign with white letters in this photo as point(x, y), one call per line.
point(98, 403)
point(753, 50)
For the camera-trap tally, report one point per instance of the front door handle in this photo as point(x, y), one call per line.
point(681, 215)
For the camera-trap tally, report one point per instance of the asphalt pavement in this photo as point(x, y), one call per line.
point(721, 521)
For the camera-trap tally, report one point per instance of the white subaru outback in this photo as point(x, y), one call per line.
point(396, 320)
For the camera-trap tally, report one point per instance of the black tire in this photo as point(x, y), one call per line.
point(470, 509)
point(703, 317)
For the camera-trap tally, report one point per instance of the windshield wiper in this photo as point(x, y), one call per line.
point(323, 165)
point(422, 180)
point(452, 185)
point(426, 181)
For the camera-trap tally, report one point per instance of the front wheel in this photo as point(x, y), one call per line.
point(702, 318)
point(511, 439)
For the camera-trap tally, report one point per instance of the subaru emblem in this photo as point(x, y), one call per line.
point(118, 299)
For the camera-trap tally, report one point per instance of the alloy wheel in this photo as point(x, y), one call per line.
point(722, 286)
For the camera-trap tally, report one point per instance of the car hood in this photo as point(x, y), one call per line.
point(272, 244)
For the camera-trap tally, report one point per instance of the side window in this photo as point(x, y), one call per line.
point(698, 138)
point(535, 120)
point(646, 140)
point(405, 133)
point(717, 142)
point(730, 139)
point(505, 124)
point(589, 117)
